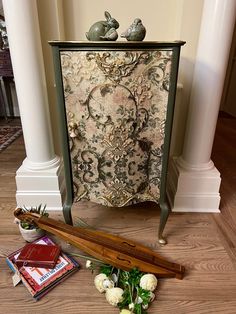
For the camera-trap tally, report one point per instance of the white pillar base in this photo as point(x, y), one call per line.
point(40, 187)
point(193, 190)
point(38, 166)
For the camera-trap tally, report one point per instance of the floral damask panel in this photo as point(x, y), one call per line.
point(116, 104)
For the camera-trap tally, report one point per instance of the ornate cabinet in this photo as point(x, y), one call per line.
point(116, 102)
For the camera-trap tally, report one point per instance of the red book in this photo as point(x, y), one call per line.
point(39, 281)
point(38, 255)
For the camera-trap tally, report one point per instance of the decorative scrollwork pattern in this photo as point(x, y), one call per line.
point(120, 66)
point(116, 103)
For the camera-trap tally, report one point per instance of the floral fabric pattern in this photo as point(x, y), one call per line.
point(116, 104)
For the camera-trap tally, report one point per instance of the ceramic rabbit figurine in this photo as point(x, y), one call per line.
point(103, 30)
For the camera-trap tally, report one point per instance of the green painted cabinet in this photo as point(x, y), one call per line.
point(116, 103)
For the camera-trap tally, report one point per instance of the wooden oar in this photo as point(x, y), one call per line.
point(117, 251)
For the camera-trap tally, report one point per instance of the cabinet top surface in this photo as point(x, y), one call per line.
point(116, 44)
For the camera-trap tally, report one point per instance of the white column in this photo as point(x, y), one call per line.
point(37, 179)
point(195, 180)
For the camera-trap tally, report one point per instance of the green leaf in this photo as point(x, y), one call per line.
point(144, 295)
point(126, 300)
point(106, 269)
point(134, 277)
point(138, 309)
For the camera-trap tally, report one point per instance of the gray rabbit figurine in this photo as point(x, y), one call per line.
point(103, 30)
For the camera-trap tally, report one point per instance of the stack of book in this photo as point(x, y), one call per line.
point(40, 280)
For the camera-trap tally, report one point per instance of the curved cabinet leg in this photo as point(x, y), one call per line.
point(165, 211)
point(67, 214)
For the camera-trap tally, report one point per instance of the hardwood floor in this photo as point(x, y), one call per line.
point(224, 156)
point(203, 243)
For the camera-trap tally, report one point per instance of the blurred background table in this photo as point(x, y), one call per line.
point(6, 79)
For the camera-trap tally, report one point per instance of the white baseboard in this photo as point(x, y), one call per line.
point(40, 187)
point(193, 191)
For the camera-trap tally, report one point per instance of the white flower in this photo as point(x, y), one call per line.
point(88, 264)
point(108, 284)
point(131, 306)
point(148, 282)
point(98, 281)
point(114, 296)
point(124, 311)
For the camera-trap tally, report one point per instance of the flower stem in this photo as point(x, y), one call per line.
point(87, 257)
point(131, 294)
point(118, 275)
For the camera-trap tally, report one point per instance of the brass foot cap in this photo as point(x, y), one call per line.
point(162, 241)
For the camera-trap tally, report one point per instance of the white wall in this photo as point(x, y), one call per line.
point(164, 20)
point(229, 94)
point(51, 28)
point(161, 18)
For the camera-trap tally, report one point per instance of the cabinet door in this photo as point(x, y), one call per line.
point(116, 106)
